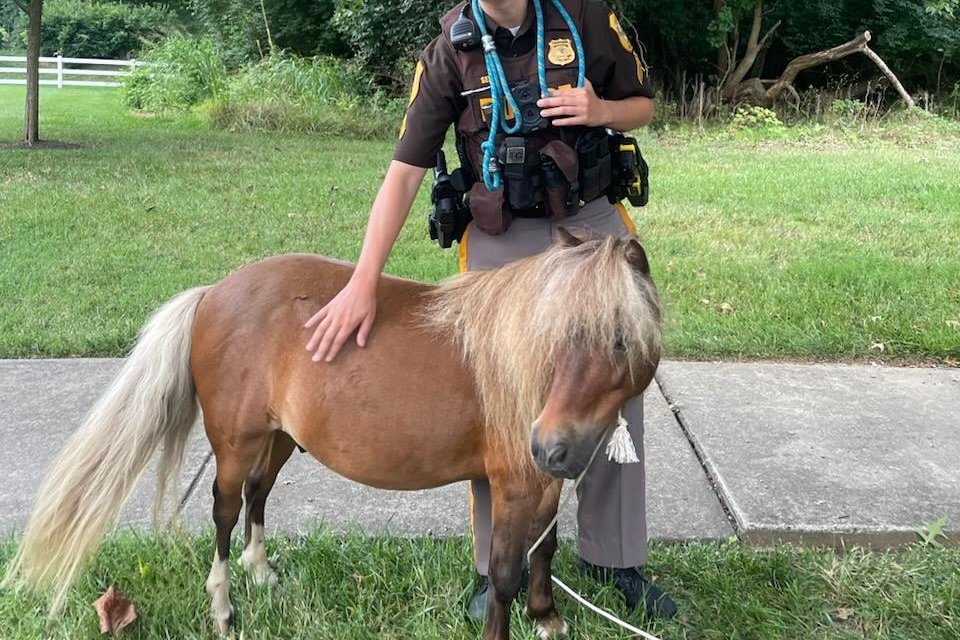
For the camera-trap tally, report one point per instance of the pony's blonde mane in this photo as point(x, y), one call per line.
point(511, 324)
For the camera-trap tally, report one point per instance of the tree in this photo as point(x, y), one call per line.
point(34, 10)
point(732, 71)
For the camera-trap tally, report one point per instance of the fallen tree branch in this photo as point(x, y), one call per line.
point(810, 60)
point(21, 4)
point(754, 90)
point(870, 53)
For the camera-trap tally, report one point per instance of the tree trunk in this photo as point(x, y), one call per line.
point(755, 44)
point(34, 11)
point(723, 52)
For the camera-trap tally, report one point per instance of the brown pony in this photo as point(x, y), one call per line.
point(504, 374)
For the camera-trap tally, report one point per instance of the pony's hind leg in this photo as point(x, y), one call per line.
point(256, 489)
point(233, 465)
point(540, 605)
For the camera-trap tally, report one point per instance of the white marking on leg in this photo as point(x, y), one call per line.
point(218, 588)
point(254, 558)
point(552, 628)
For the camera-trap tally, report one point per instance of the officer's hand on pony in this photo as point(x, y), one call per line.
point(575, 107)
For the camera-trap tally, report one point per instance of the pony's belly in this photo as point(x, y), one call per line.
point(395, 455)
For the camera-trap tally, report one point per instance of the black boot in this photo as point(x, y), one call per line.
point(477, 609)
point(635, 589)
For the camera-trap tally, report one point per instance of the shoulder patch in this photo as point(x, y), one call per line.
point(627, 45)
point(621, 34)
point(417, 76)
point(414, 92)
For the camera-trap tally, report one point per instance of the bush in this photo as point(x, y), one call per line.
point(324, 95)
point(101, 29)
point(181, 73)
point(387, 36)
point(846, 108)
point(753, 117)
point(237, 26)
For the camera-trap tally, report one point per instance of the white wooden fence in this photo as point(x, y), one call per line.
point(69, 72)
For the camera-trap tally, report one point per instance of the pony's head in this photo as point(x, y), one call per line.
point(557, 343)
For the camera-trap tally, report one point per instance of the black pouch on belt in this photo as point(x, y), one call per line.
point(558, 163)
point(593, 154)
point(518, 175)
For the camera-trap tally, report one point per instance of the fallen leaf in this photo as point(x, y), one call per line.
point(844, 613)
point(953, 324)
point(726, 307)
point(878, 346)
point(704, 301)
point(114, 610)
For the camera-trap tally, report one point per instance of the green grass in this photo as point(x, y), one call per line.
point(815, 247)
point(355, 587)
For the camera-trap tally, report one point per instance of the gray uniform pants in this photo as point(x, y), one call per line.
point(611, 514)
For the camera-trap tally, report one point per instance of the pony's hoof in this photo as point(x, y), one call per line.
point(263, 575)
point(552, 626)
point(259, 569)
point(223, 625)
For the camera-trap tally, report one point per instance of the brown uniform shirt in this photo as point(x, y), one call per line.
point(613, 68)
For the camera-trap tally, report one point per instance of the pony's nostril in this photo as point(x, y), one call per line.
point(558, 455)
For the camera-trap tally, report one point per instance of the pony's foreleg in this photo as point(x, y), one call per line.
point(513, 503)
point(256, 489)
point(540, 604)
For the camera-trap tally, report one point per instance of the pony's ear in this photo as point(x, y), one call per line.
point(637, 257)
point(566, 239)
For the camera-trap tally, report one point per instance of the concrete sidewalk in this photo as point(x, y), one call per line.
point(811, 453)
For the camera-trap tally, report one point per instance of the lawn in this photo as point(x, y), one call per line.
point(813, 247)
point(357, 588)
point(834, 246)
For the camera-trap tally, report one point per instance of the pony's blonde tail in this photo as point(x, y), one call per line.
point(150, 403)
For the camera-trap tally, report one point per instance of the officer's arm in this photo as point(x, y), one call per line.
point(354, 308)
point(390, 210)
point(627, 114)
point(582, 107)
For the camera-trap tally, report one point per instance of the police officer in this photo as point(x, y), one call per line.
point(452, 86)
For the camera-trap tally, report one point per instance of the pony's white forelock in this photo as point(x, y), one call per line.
point(511, 324)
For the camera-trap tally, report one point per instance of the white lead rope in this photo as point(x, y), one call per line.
point(621, 449)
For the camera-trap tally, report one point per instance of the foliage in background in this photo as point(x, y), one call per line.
point(85, 29)
point(284, 92)
point(387, 35)
point(237, 26)
point(919, 39)
point(9, 19)
point(281, 92)
point(181, 72)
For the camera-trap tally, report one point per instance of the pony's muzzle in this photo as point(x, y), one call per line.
point(557, 455)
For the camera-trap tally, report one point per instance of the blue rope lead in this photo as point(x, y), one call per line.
point(500, 87)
